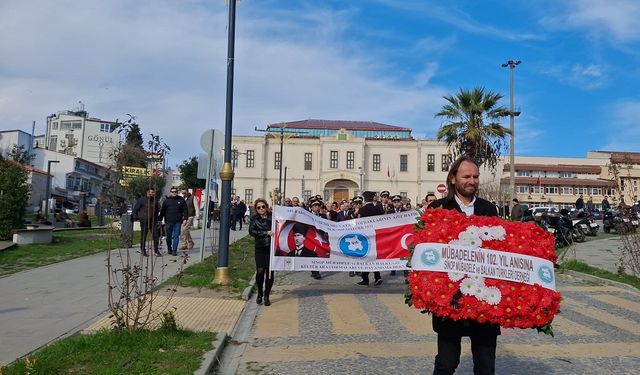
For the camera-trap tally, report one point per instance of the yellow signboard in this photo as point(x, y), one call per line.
point(129, 173)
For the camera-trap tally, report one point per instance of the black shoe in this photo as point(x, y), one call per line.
point(352, 274)
point(316, 275)
point(175, 253)
point(233, 228)
point(259, 300)
point(363, 283)
point(377, 282)
point(393, 273)
point(266, 301)
point(158, 253)
point(144, 253)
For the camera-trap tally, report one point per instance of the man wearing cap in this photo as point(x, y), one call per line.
point(462, 185)
point(384, 201)
point(356, 204)
point(370, 209)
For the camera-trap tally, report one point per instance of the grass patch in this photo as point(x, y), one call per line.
point(113, 352)
point(66, 245)
point(576, 265)
point(242, 266)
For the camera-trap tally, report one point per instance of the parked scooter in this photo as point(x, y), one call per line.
point(585, 221)
point(612, 220)
point(562, 228)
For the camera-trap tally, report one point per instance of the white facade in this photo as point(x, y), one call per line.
point(10, 138)
point(338, 166)
point(76, 134)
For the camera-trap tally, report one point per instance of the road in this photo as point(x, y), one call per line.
point(333, 326)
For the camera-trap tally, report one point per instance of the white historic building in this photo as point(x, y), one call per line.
point(75, 133)
point(337, 159)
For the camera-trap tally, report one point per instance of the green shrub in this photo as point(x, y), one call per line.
point(14, 194)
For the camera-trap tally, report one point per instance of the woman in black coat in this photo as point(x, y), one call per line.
point(260, 229)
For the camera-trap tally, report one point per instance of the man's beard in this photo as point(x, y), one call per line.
point(467, 194)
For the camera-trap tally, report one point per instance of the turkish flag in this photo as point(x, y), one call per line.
point(538, 181)
point(393, 242)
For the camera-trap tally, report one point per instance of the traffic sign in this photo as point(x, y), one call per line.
point(441, 188)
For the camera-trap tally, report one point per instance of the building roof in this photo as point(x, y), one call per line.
point(338, 124)
point(595, 169)
point(559, 181)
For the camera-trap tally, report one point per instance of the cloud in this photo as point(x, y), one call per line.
point(583, 76)
point(622, 127)
point(614, 20)
point(165, 63)
point(458, 19)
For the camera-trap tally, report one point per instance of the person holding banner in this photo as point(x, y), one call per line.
point(462, 185)
point(260, 229)
point(370, 209)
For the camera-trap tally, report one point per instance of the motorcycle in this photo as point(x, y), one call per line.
point(562, 228)
point(613, 220)
point(586, 222)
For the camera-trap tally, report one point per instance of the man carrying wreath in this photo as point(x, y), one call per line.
point(462, 186)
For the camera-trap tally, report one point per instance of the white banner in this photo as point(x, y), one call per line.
point(461, 260)
point(305, 242)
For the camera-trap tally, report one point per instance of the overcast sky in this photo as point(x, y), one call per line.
point(388, 61)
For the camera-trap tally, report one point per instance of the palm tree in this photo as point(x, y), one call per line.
point(471, 127)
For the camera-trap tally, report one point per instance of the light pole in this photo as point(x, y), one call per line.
point(48, 192)
point(222, 276)
point(512, 115)
point(361, 180)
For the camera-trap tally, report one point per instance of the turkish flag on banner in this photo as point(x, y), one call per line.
point(393, 242)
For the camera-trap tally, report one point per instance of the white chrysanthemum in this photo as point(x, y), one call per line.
point(478, 290)
point(455, 276)
point(486, 233)
point(476, 279)
point(473, 231)
point(475, 242)
point(467, 287)
point(499, 233)
point(492, 295)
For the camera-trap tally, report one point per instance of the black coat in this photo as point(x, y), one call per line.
point(304, 252)
point(258, 228)
point(465, 327)
point(370, 209)
point(174, 210)
point(146, 209)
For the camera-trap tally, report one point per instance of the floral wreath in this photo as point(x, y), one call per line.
point(457, 295)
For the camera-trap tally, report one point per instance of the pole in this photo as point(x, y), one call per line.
point(279, 197)
point(48, 190)
point(222, 276)
point(512, 145)
point(205, 214)
point(284, 192)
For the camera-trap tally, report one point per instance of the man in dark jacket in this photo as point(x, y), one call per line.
point(146, 210)
point(462, 186)
point(370, 209)
point(516, 210)
point(174, 212)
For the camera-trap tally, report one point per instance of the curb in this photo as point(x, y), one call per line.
point(210, 358)
point(602, 280)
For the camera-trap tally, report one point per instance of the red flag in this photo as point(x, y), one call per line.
point(393, 242)
point(538, 181)
point(388, 171)
point(317, 241)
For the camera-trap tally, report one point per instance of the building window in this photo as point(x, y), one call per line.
point(403, 194)
point(537, 189)
point(551, 189)
point(351, 156)
point(446, 162)
point(308, 161)
point(234, 158)
point(581, 190)
point(404, 163)
point(306, 194)
point(248, 195)
point(523, 173)
point(333, 161)
point(105, 128)
point(53, 143)
point(233, 193)
point(566, 175)
point(431, 163)
point(596, 191)
point(251, 157)
point(277, 162)
point(522, 189)
point(55, 125)
point(566, 190)
point(376, 163)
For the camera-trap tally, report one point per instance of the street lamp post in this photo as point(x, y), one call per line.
point(361, 180)
point(222, 276)
point(512, 115)
point(48, 190)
